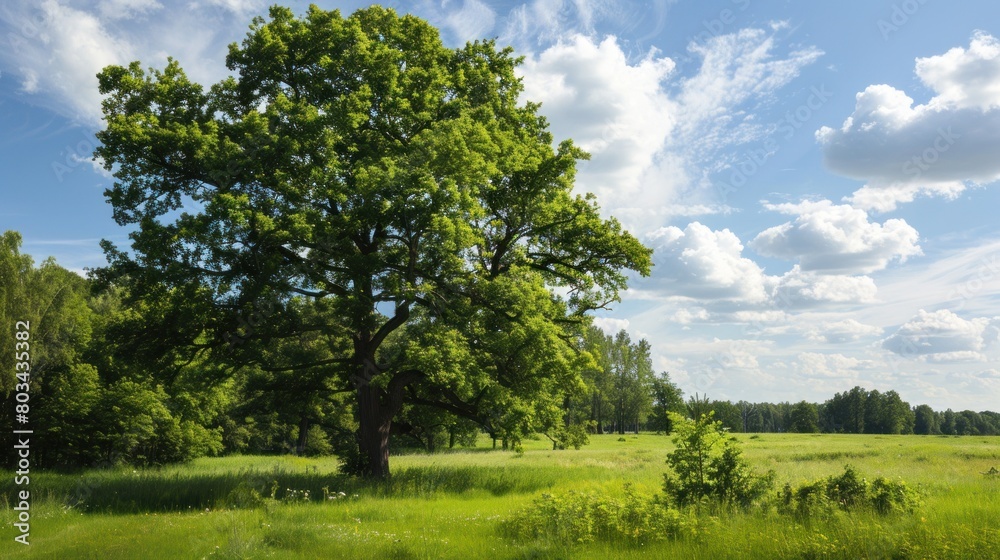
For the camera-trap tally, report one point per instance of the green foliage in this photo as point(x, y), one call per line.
point(244, 496)
point(627, 517)
point(356, 167)
point(667, 397)
point(698, 406)
point(708, 466)
point(848, 492)
point(868, 412)
point(804, 418)
point(619, 382)
point(138, 428)
point(453, 510)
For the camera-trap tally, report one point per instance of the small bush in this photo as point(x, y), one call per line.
point(244, 496)
point(708, 466)
point(847, 492)
point(583, 517)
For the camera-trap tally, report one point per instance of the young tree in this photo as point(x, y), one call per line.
point(667, 397)
point(708, 464)
point(359, 162)
point(598, 376)
point(698, 406)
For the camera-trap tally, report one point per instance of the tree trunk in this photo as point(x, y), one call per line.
point(374, 425)
point(376, 409)
point(597, 414)
point(303, 439)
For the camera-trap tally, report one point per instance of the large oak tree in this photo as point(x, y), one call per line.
point(389, 202)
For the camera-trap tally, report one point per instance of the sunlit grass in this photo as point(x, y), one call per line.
point(450, 505)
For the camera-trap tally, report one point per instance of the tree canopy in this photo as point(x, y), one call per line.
point(395, 207)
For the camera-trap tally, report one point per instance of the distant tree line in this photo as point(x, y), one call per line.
point(97, 397)
point(625, 395)
point(856, 411)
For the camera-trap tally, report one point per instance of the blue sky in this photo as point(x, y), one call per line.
point(818, 180)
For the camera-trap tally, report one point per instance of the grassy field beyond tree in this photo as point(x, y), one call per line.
point(451, 505)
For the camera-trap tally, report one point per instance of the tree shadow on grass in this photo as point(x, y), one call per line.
point(122, 492)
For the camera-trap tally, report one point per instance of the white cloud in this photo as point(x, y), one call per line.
point(952, 357)
point(64, 45)
point(30, 82)
point(938, 148)
point(701, 263)
point(74, 46)
point(831, 238)
point(610, 325)
point(838, 332)
point(237, 7)
point(548, 20)
point(797, 288)
point(127, 9)
point(813, 364)
point(474, 20)
point(736, 68)
point(687, 315)
point(617, 111)
point(943, 336)
point(965, 78)
point(759, 317)
point(655, 136)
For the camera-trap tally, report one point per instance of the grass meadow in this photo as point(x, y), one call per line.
point(451, 504)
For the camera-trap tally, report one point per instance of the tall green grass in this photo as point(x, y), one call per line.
point(452, 505)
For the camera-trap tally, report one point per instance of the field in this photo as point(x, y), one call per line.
point(450, 505)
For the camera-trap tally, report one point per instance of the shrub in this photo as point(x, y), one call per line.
point(583, 517)
point(848, 492)
point(709, 466)
point(244, 496)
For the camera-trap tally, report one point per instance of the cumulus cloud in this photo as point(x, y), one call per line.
point(836, 239)
point(701, 263)
point(839, 332)
point(814, 364)
point(965, 78)
point(943, 336)
point(798, 288)
point(653, 135)
point(610, 325)
point(707, 279)
point(708, 265)
point(61, 46)
point(688, 315)
point(616, 110)
point(937, 148)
